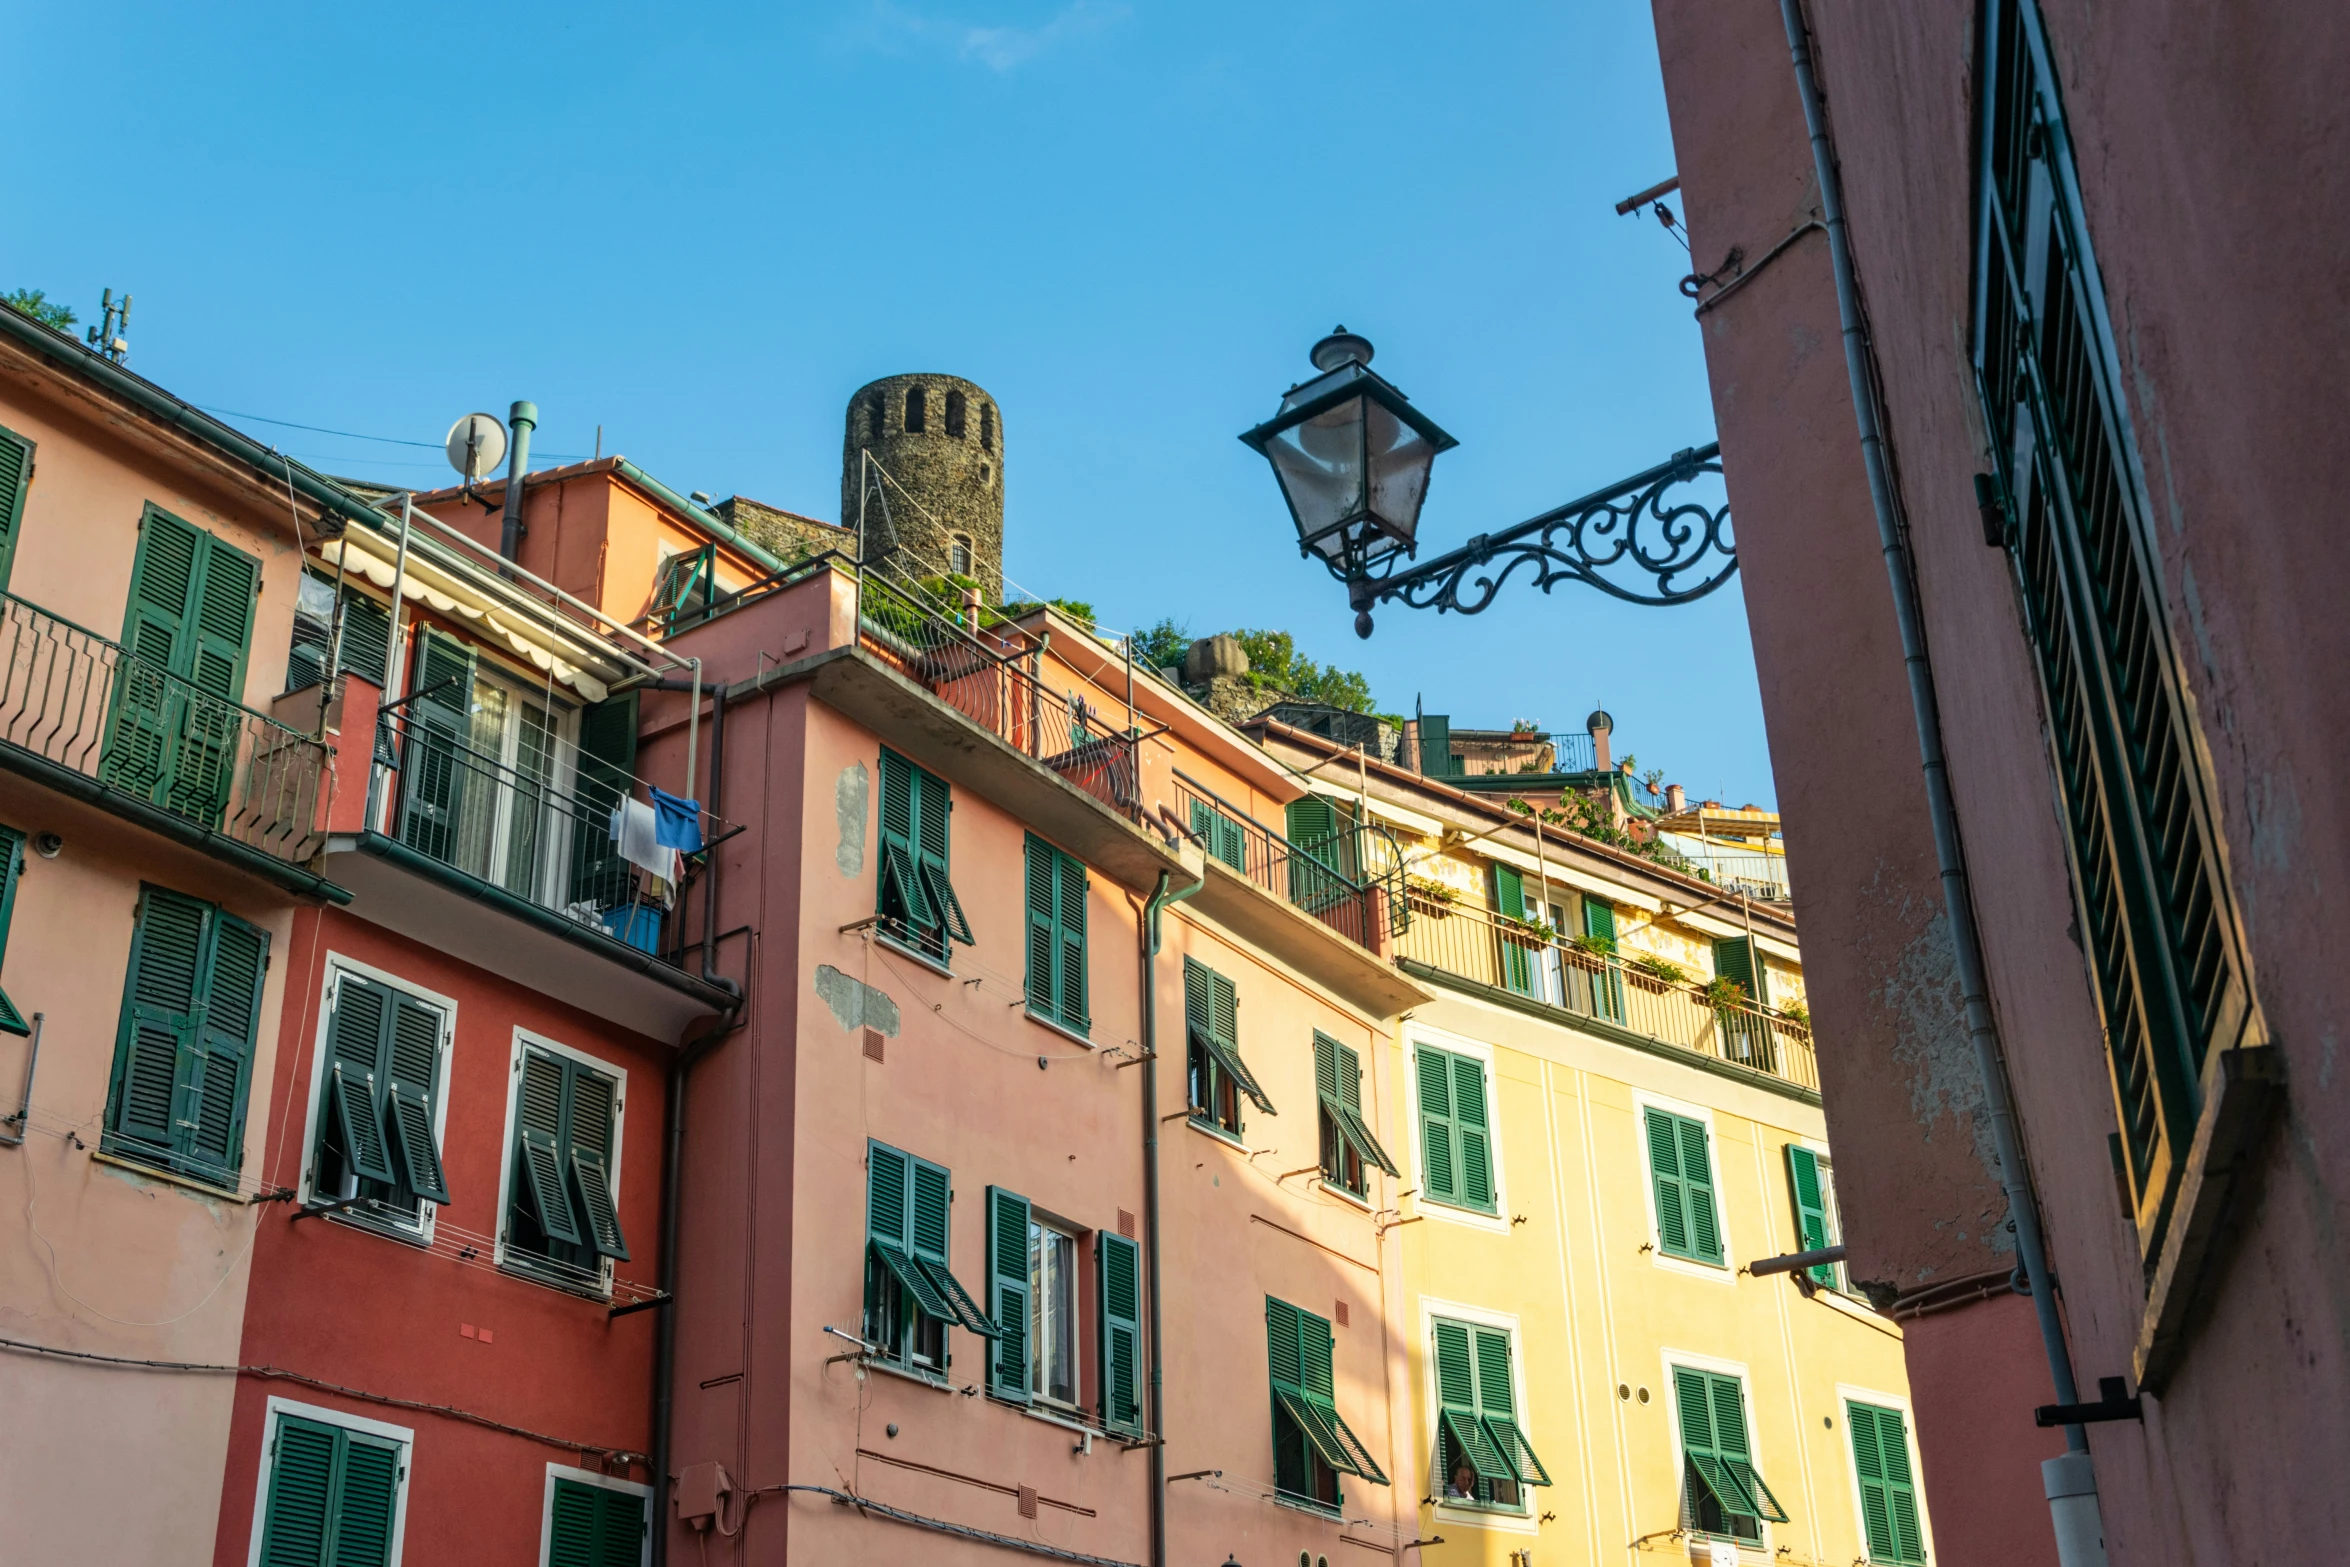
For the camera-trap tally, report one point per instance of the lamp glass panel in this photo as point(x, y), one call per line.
point(1400, 458)
point(1320, 464)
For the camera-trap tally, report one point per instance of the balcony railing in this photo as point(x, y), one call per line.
point(1751, 873)
point(538, 826)
point(89, 705)
point(1351, 881)
point(1529, 961)
point(1530, 752)
point(978, 674)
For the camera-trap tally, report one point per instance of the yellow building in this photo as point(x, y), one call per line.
point(1597, 1137)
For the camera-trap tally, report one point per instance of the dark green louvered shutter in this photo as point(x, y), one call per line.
point(1075, 1011)
point(368, 1502)
point(185, 1048)
point(1436, 745)
point(929, 1222)
point(12, 1020)
point(1737, 1455)
point(1456, 1403)
point(148, 709)
point(1497, 1408)
point(412, 1092)
point(1811, 1207)
point(434, 764)
point(1888, 1493)
point(1320, 874)
point(352, 1096)
point(1211, 1015)
point(1680, 1164)
point(1736, 959)
point(16, 473)
point(539, 1149)
point(594, 1526)
point(1008, 1290)
point(1043, 907)
point(934, 804)
point(333, 1497)
point(1119, 1290)
point(1220, 836)
point(607, 765)
point(1607, 982)
point(367, 637)
point(1517, 953)
point(587, 1147)
point(1338, 1078)
point(1697, 1185)
point(1693, 1400)
point(1475, 1138)
point(1440, 1179)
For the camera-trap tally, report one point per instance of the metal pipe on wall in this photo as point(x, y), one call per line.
point(2070, 1478)
point(1157, 905)
point(524, 417)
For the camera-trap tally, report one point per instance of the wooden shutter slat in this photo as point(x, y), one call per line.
point(301, 1482)
point(16, 469)
point(368, 1499)
point(1043, 938)
point(1119, 1290)
point(594, 1185)
point(1076, 1012)
point(1439, 1174)
point(1008, 1294)
point(1475, 1137)
point(1697, 1186)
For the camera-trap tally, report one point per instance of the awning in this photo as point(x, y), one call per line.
point(364, 554)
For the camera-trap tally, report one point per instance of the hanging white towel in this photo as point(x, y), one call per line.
point(634, 828)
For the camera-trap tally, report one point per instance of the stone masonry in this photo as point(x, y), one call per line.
point(941, 439)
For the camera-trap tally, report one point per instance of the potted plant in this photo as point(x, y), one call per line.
point(1725, 994)
point(1655, 974)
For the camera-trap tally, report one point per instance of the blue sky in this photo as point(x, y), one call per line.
point(703, 228)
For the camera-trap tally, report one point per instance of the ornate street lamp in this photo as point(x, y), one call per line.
point(1353, 456)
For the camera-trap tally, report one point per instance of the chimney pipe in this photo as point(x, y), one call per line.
point(1676, 800)
point(1600, 725)
point(524, 418)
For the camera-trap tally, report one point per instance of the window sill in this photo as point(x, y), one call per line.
point(1311, 1508)
point(1352, 1199)
point(1058, 1027)
point(1069, 1420)
point(890, 1368)
point(1211, 1130)
point(162, 1172)
point(415, 1233)
point(554, 1276)
point(1459, 1209)
point(928, 961)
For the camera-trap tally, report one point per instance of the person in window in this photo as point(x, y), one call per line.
point(1464, 1478)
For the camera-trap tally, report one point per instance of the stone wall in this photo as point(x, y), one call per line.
point(941, 439)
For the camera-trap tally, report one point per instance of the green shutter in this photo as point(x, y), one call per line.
point(1607, 986)
point(929, 1208)
point(539, 1149)
point(607, 765)
point(1497, 1408)
point(415, 1059)
point(1075, 1010)
point(1471, 1131)
point(368, 1502)
point(16, 472)
point(1220, 835)
point(1697, 1185)
point(353, 1097)
point(1888, 1492)
point(184, 1048)
point(594, 1526)
point(1119, 1290)
point(916, 894)
point(1211, 1010)
point(1456, 1400)
point(1737, 959)
point(333, 1497)
point(1008, 1293)
point(435, 764)
point(1299, 1354)
point(1338, 1078)
point(934, 805)
point(1517, 956)
point(1436, 760)
point(189, 624)
point(1680, 1166)
point(12, 1020)
point(587, 1137)
point(1439, 1166)
point(1056, 899)
point(1811, 1207)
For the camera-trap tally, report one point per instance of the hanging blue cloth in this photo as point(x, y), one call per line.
point(677, 823)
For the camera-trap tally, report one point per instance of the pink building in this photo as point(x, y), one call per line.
point(2104, 376)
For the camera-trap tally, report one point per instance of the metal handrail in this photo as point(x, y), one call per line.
point(1353, 883)
point(85, 702)
point(1545, 753)
point(1531, 960)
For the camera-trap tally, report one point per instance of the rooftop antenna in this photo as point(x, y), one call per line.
point(108, 339)
point(476, 445)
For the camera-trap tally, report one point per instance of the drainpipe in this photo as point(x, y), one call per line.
point(1150, 1204)
point(673, 1155)
point(524, 417)
point(2070, 1480)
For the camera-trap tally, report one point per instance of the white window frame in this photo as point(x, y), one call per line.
point(1724, 1272)
point(276, 1407)
point(562, 781)
point(1526, 1519)
point(524, 1039)
point(1075, 1234)
point(1668, 1359)
point(337, 965)
point(557, 1472)
point(1498, 1221)
point(1848, 1393)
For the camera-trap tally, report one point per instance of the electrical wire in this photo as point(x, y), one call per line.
point(620, 1455)
point(1009, 1542)
point(354, 435)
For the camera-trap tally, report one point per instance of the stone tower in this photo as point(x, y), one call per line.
point(941, 438)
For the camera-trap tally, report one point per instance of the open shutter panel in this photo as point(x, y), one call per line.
point(1737, 1457)
point(353, 1090)
point(1736, 959)
point(16, 472)
point(1326, 1067)
point(1043, 938)
point(1456, 1397)
point(1693, 1399)
point(1341, 1449)
point(236, 959)
point(1868, 1463)
point(1224, 1018)
point(1007, 1293)
point(1901, 1489)
point(932, 803)
point(1497, 1407)
point(1811, 1207)
point(1075, 1011)
point(1664, 1168)
point(540, 1148)
point(151, 1094)
point(227, 580)
point(589, 1139)
point(294, 1527)
point(885, 1197)
point(931, 1191)
point(415, 1063)
point(439, 722)
point(148, 708)
point(366, 1501)
point(1120, 1293)
point(1509, 892)
point(621, 1528)
point(1476, 1141)
point(607, 759)
point(367, 637)
point(1435, 744)
point(1439, 1174)
point(1697, 1185)
point(12, 1020)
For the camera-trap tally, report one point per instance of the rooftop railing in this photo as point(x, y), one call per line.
point(1527, 752)
point(540, 826)
point(1536, 963)
point(977, 672)
point(1351, 880)
point(75, 699)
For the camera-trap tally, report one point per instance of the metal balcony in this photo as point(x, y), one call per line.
point(1351, 881)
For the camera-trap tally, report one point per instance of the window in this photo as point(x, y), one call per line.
point(1518, 946)
point(486, 783)
point(11, 867)
point(1681, 1173)
point(593, 1521)
point(1746, 1035)
point(177, 705)
point(1482, 1457)
point(917, 410)
point(1456, 1142)
point(874, 423)
point(562, 1210)
point(918, 905)
point(1118, 1287)
point(1211, 1023)
point(987, 427)
point(379, 1093)
point(911, 1296)
point(1599, 939)
point(16, 477)
point(1056, 936)
point(183, 1055)
point(1052, 1282)
point(333, 1489)
point(1220, 835)
point(1888, 1495)
point(1814, 1195)
point(1349, 1151)
point(1323, 858)
point(684, 589)
point(1312, 1445)
point(955, 413)
point(1721, 1490)
point(959, 555)
point(366, 631)
point(2157, 916)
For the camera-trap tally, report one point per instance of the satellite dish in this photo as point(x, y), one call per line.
point(476, 445)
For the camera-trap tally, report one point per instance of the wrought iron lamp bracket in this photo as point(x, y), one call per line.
point(1628, 541)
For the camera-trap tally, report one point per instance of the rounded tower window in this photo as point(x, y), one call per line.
point(955, 412)
point(959, 555)
point(873, 418)
point(987, 427)
point(917, 410)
